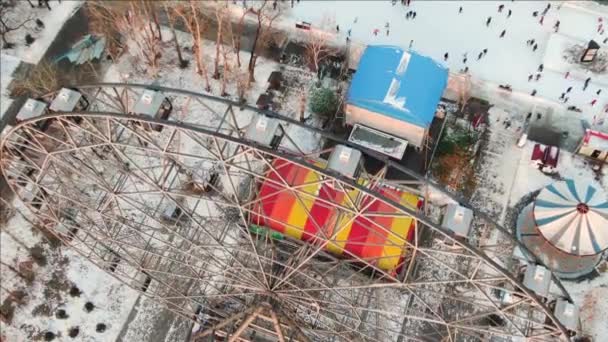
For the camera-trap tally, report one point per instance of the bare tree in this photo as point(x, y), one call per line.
point(265, 17)
point(9, 23)
point(317, 43)
point(464, 90)
point(242, 85)
point(128, 22)
point(40, 80)
point(191, 17)
point(170, 18)
point(102, 18)
point(220, 16)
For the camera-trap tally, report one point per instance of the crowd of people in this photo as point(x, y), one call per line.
point(532, 43)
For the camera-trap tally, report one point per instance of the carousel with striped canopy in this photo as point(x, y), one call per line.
point(567, 226)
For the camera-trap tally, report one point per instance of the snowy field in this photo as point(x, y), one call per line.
point(438, 29)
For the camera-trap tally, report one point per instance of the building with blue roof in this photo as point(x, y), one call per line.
point(396, 91)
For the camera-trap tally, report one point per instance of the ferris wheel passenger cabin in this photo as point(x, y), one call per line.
point(69, 100)
point(153, 104)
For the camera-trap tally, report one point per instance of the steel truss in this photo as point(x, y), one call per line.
point(165, 212)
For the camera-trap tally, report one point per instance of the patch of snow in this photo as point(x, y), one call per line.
point(53, 22)
point(8, 65)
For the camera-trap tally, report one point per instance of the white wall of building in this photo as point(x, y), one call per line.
point(412, 133)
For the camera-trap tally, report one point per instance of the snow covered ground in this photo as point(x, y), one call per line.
point(49, 292)
point(53, 20)
point(11, 57)
point(8, 65)
point(438, 29)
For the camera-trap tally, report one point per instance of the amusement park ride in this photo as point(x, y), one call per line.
point(217, 211)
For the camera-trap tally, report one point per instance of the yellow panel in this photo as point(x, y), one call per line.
point(400, 229)
point(302, 205)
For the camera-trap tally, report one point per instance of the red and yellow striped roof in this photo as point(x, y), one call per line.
point(314, 215)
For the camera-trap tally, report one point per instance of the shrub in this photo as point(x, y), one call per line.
point(323, 101)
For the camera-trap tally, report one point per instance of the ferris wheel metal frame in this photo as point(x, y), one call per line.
point(98, 179)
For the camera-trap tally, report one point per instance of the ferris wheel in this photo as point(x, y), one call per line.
point(230, 217)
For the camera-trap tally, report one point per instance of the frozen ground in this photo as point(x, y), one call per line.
point(439, 28)
point(49, 291)
point(53, 21)
point(8, 64)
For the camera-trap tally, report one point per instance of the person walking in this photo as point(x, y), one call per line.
point(460, 10)
point(445, 56)
point(509, 14)
point(529, 42)
point(411, 43)
point(485, 51)
point(542, 19)
point(376, 32)
point(534, 47)
point(598, 91)
point(562, 96)
point(541, 68)
point(538, 77)
point(587, 83)
point(593, 102)
point(530, 77)
point(556, 26)
point(568, 90)
point(464, 60)
point(414, 15)
point(533, 93)
point(488, 21)
point(387, 32)
point(567, 74)
point(479, 56)
point(337, 28)
point(502, 34)
point(532, 41)
point(500, 7)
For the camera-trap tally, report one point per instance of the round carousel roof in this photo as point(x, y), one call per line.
point(573, 216)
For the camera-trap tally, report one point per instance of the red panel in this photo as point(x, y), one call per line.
point(360, 228)
point(320, 213)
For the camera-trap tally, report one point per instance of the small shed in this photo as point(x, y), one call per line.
point(345, 160)
point(68, 100)
point(264, 101)
point(538, 279)
point(275, 80)
point(265, 131)
point(458, 219)
point(566, 313)
point(595, 145)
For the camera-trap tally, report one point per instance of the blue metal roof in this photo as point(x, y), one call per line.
point(416, 90)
